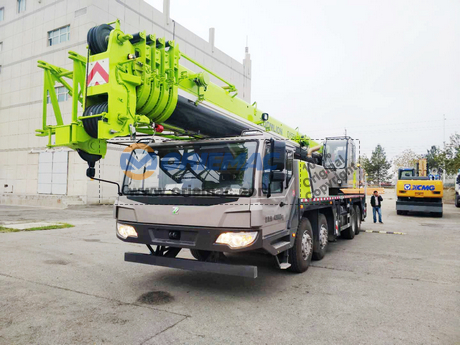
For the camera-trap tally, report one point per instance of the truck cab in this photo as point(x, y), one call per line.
point(195, 194)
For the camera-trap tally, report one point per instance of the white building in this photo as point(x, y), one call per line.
point(32, 30)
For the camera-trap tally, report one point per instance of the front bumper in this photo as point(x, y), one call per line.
point(201, 238)
point(193, 265)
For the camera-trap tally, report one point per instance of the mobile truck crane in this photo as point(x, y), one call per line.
point(211, 173)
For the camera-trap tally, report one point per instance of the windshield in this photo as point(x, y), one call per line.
point(192, 169)
point(335, 154)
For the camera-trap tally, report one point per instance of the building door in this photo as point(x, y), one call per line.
point(52, 172)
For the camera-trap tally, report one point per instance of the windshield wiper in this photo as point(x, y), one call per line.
point(214, 193)
point(174, 191)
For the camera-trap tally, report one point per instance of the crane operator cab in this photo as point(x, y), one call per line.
point(339, 160)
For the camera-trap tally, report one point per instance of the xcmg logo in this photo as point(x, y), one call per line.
point(418, 187)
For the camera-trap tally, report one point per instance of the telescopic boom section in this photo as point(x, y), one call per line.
point(134, 83)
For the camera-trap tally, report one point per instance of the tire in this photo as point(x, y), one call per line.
point(97, 38)
point(320, 246)
point(171, 252)
point(301, 253)
point(399, 212)
point(457, 201)
point(437, 214)
point(91, 125)
point(349, 233)
point(358, 219)
point(200, 255)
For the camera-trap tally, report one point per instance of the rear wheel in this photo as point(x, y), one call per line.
point(320, 246)
point(457, 201)
point(301, 253)
point(349, 233)
point(358, 219)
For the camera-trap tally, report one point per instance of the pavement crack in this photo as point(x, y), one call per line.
point(422, 280)
point(92, 295)
point(333, 268)
point(164, 330)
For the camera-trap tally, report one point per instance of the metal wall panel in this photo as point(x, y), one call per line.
point(52, 172)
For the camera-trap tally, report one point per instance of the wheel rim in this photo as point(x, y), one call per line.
point(323, 236)
point(306, 245)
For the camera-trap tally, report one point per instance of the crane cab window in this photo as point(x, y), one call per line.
point(335, 154)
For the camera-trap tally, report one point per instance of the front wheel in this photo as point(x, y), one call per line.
point(169, 252)
point(200, 255)
point(301, 253)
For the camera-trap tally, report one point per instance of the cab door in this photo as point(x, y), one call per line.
point(277, 208)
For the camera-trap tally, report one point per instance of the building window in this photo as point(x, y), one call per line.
point(2, 11)
point(59, 35)
point(62, 94)
point(21, 6)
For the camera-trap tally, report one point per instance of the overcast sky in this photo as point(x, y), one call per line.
point(385, 70)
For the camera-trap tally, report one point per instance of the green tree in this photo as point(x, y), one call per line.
point(448, 159)
point(407, 159)
point(452, 155)
point(378, 166)
point(433, 157)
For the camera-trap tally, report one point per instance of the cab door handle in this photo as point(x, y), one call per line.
point(282, 204)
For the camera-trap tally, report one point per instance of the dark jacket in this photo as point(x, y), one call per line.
point(378, 203)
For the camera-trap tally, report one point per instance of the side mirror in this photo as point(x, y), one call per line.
point(277, 176)
point(278, 154)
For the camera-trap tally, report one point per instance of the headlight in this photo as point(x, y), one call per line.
point(126, 231)
point(237, 239)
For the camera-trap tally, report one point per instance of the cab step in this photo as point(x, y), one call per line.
point(282, 260)
point(281, 246)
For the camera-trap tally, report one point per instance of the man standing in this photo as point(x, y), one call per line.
point(376, 203)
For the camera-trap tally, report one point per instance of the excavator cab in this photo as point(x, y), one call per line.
point(405, 173)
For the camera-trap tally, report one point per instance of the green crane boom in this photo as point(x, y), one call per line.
point(134, 83)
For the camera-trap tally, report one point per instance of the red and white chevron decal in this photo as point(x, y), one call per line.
point(98, 72)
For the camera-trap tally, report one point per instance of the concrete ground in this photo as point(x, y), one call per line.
point(71, 286)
